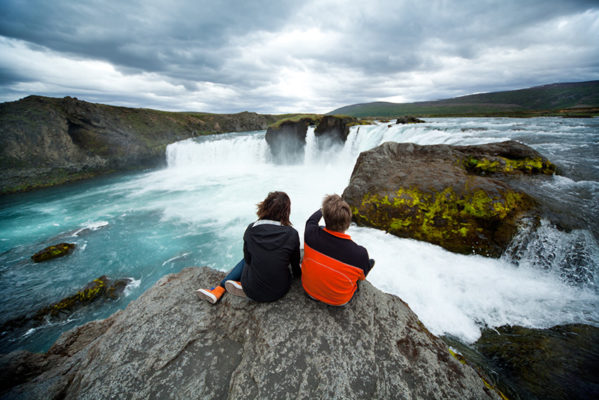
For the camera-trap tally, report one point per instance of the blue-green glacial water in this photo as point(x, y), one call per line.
point(194, 211)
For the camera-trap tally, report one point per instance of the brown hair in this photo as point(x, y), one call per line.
point(336, 213)
point(276, 207)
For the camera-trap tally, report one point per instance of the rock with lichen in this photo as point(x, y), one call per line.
point(100, 289)
point(458, 197)
point(55, 251)
point(170, 344)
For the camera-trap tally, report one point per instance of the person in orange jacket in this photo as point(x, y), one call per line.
point(333, 263)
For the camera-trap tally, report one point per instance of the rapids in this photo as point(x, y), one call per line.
point(194, 211)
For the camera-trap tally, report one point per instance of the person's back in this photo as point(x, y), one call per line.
point(332, 262)
point(271, 256)
point(270, 248)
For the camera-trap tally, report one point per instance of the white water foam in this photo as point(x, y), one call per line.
point(91, 226)
point(456, 294)
point(213, 185)
point(175, 258)
point(131, 286)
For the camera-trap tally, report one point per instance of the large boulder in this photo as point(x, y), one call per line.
point(458, 197)
point(333, 130)
point(54, 251)
point(287, 139)
point(170, 344)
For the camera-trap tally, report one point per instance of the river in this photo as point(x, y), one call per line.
point(193, 212)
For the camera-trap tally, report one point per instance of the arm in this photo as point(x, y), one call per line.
point(312, 222)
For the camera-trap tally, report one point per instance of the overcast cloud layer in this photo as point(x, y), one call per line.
point(290, 56)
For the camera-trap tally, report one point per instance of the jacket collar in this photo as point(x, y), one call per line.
point(266, 222)
point(337, 234)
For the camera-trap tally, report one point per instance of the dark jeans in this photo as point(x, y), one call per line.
point(235, 273)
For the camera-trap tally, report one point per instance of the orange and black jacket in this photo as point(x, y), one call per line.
point(332, 263)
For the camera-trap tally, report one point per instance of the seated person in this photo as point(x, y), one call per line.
point(271, 254)
point(333, 263)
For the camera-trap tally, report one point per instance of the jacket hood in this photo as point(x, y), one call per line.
point(268, 235)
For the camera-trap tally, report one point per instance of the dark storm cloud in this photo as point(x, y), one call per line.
point(268, 56)
point(148, 35)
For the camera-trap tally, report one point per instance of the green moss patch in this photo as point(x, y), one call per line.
point(485, 166)
point(100, 288)
point(51, 252)
point(455, 221)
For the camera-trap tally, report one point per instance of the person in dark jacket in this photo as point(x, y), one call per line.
point(271, 256)
point(333, 263)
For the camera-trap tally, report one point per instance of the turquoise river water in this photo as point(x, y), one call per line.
point(194, 211)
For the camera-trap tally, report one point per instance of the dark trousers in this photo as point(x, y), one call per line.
point(235, 273)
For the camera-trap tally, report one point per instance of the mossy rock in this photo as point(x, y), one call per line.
point(96, 291)
point(466, 222)
point(100, 288)
point(503, 165)
point(440, 195)
point(55, 251)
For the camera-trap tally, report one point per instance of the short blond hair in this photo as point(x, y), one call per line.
point(336, 213)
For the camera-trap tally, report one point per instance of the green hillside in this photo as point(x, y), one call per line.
point(565, 99)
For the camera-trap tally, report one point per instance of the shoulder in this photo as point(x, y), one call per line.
point(291, 231)
point(361, 250)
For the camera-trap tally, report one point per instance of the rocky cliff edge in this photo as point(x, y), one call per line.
point(170, 344)
point(48, 141)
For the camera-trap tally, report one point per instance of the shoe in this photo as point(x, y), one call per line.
point(213, 295)
point(235, 288)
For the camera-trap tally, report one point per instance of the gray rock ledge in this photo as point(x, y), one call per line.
point(170, 344)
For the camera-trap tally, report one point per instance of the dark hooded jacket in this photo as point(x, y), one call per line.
point(271, 253)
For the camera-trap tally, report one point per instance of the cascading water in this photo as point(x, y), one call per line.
point(194, 212)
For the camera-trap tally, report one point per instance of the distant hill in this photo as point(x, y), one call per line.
point(568, 99)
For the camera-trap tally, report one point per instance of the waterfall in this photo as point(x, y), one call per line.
point(547, 276)
point(194, 212)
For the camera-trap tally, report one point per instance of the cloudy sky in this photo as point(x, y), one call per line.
point(289, 55)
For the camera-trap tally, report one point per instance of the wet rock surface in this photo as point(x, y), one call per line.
point(55, 251)
point(458, 197)
point(287, 140)
point(408, 119)
point(100, 289)
point(170, 344)
point(333, 130)
point(557, 363)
